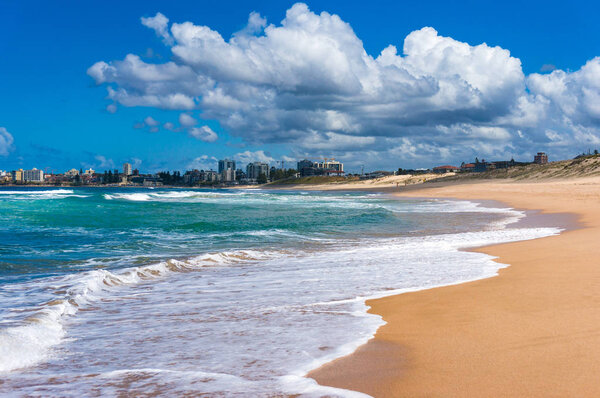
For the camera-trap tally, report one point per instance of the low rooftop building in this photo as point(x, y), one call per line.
point(445, 169)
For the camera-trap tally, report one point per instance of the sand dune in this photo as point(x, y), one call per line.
point(387, 182)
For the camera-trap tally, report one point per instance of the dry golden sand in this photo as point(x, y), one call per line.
point(382, 183)
point(532, 331)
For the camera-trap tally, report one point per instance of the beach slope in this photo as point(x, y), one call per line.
point(532, 331)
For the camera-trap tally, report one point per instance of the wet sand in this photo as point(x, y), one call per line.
point(532, 331)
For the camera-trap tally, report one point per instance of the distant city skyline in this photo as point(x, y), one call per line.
point(228, 173)
point(402, 85)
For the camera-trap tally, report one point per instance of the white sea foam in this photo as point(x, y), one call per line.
point(238, 322)
point(353, 201)
point(41, 194)
point(135, 197)
point(246, 197)
point(38, 192)
point(171, 196)
point(31, 343)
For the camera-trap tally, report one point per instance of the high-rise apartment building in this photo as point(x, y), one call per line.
point(227, 170)
point(228, 175)
point(127, 169)
point(17, 175)
point(33, 175)
point(208, 175)
point(226, 164)
point(253, 170)
point(303, 164)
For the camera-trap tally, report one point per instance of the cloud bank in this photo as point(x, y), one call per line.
point(308, 83)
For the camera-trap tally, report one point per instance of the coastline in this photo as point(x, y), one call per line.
point(530, 331)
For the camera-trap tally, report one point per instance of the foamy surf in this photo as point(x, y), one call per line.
point(40, 194)
point(280, 289)
point(172, 196)
point(32, 343)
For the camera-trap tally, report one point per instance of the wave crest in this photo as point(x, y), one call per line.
point(31, 343)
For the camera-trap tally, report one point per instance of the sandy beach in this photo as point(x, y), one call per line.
point(379, 184)
point(532, 331)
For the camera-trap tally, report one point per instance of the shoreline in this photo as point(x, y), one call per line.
point(477, 338)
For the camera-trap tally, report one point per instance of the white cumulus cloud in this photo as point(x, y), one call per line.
point(160, 24)
point(203, 162)
point(186, 120)
point(249, 157)
point(203, 133)
point(575, 95)
point(308, 82)
point(150, 121)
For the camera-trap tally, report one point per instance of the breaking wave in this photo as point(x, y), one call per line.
point(31, 343)
point(41, 194)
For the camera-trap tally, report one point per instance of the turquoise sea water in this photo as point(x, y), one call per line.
point(216, 292)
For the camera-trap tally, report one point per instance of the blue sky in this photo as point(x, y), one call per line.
point(56, 112)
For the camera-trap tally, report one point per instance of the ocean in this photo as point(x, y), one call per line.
point(187, 292)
